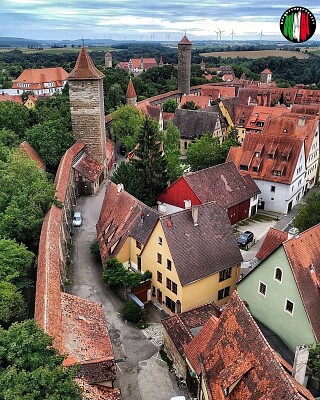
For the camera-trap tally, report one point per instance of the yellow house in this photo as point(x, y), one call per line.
point(193, 257)
point(225, 107)
point(30, 102)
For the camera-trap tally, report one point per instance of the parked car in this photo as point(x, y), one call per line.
point(178, 398)
point(123, 150)
point(245, 238)
point(77, 219)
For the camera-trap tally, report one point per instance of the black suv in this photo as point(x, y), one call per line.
point(245, 238)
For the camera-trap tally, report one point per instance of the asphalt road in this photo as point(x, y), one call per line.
point(140, 370)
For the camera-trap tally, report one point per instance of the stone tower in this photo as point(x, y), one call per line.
point(108, 60)
point(266, 76)
point(87, 106)
point(184, 65)
point(131, 96)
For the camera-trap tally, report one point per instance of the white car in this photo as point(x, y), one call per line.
point(178, 398)
point(77, 219)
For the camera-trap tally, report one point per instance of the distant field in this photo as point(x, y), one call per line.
point(314, 50)
point(256, 54)
point(57, 51)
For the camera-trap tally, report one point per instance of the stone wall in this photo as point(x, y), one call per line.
point(178, 362)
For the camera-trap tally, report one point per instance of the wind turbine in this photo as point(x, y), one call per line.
point(232, 34)
point(261, 34)
point(217, 32)
point(220, 33)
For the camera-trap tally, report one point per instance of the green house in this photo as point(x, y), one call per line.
point(283, 291)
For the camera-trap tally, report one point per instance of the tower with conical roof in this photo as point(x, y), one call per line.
point(108, 60)
point(184, 65)
point(87, 106)
point(131, 96)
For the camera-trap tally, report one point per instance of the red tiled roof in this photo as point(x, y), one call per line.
point(222, 184)
point(48, 296)
point(25, 146)
point(228, 77)
point(109, 149)
point(123, 65)
point(266, 71)
point(184, 40)
point(271, 242)
point(93, 392)
point(210, 244)
point(62, 175)
point(8, 97)
point(37, 77)
point(282, 142)
point(84, 68)
point(85, 335)
point(122, 215)
point(88, 168)
point(131, 93)
point(201, 101)
point(179, 326)
point(238, 354)
point(303, 253)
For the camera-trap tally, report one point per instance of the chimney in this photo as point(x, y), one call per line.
point(120, 187)
point(302, 121)
point(300, 364)
point(195, 212)
point(187, 204)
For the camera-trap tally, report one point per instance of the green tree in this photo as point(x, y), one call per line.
point(12, 304)
point(15, 262)
point(314, 359)
point(26, 195)
point(15, 117)
point(115, 274)
point(190, 105)
point(171, 142)
point(132, 312)
point(309, 213)
point(114, 98)
point(204, 152)
point(150, 162)
point(9, 138)
point(54, 108)
point(127, 175)
point(126, 124)
point(169, 106)
point(30, 368)
point(51, 139)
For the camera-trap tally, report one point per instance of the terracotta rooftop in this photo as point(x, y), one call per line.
point(200, 101)
point(37, 77)
point(210, 244)
point(274, 166)
point(92, 392)
point(271, 242)
point(184, 326)
point(131, 93)
point(303, 253)
point(84, 68)
point(122, 215)
point(10, 97)
point(184, 40)
point(62, 175)
point(27, 148)
point(88, 168)
point(109, 149)
point(86, 339)
point(266, 71)
point(229, 364)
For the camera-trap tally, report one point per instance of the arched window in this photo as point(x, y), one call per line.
point(278, 274)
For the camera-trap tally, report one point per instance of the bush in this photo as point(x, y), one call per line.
point(147, 275)
point(95, 250)
point(132, 312)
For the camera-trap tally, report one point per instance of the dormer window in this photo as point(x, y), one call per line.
point(276, 173)
point(244, 167)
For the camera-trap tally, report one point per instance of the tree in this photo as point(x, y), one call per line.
point(132, 312)
point(150, 162)
point(9, 138)
point(15, 262)
point(309, 213)
point(15, 117)
point(115, 97)
point(51, 139)
point(115, 274)
point(204, 152)
point(171, 142)
point(30, 368)
point(314, 359)
point(190, 105)
point(126, 124)
point(22, 211)
point(12, 304)
point(132, 182)
point(169, 106)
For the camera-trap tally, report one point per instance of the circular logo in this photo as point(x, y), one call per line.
point(297, 24)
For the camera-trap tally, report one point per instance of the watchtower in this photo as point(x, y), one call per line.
point(184, 65)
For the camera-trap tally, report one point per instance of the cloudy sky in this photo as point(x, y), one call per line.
point(139, 19)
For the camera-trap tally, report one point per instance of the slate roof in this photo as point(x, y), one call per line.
point(202, 250)
point(84, 68)
point(271, 242)
point(131, 93)
point(179, 326)
point(284, 144)
point(122, 215)
point(222, 184)
point(88, 167)
point(235, 351)
point(184, 40)
point(303, 253)
point(194, 123)
point(32, 153)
